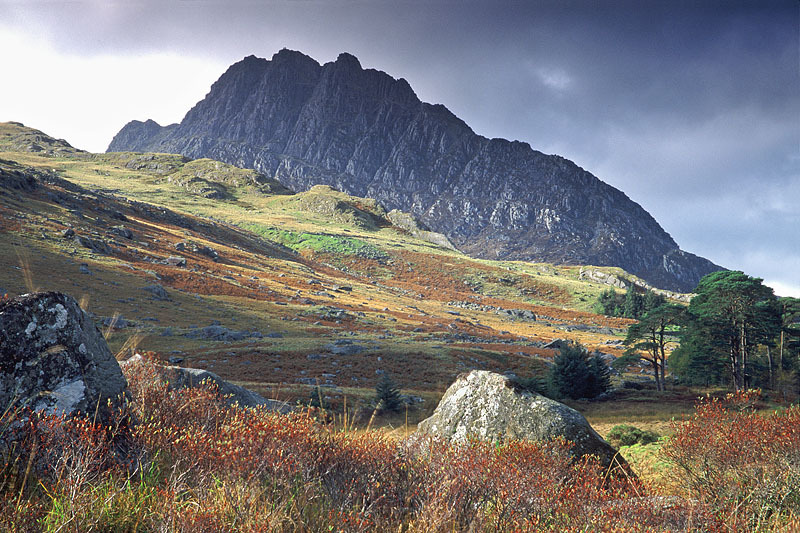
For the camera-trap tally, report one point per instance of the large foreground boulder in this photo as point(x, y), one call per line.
point(490, 407)
point(183, 377)
point(54, 359)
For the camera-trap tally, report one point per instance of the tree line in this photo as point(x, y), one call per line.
point(632, 304)
point(735, 331)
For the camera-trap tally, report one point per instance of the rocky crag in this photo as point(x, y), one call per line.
point(366, 133)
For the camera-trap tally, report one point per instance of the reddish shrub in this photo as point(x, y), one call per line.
point(744, 464)
point(202, 465)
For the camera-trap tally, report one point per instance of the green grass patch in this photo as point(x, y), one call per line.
point(318, 242)
point(648, 462)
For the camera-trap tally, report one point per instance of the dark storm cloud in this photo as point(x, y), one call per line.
point(691, 108)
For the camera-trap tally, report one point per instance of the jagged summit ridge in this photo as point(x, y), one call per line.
point(367, 133)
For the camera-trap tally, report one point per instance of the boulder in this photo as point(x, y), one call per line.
point(123, 232)
point(182, 377)
point(175, 261)
point(54, 359)
point(490, 407)
point(96, 245)
point(215, 332)
point(157, 292)
point(206, 251)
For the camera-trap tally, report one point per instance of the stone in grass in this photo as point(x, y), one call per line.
point(96, 245)
point(123, 232)
point(116, 322)
point(54, 359)
point(157, 292)
point(175, 261)
point(490, 407)
point(344, 347)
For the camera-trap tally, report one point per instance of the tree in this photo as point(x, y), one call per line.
point(785, 377)
point(735, 313)
point(609, 303)
point(790, 328)
point(634, 303)
point(647, 339)
point(630, 305)
point(599, 377)
point(653, 300)
point(577, 375)
point(387, 395)
point(695, 361)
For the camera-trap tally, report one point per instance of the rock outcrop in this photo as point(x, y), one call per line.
point(366, 133)
point(183, 377)
point(489, 407)
point(408, 223)
point(54, 359)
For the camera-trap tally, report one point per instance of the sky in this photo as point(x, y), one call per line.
point(692, 108)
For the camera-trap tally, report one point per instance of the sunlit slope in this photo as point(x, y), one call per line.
point(316, 287)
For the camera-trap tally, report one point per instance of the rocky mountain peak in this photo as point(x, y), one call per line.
point(366, 133)
point(348, 61)
point(284, 55)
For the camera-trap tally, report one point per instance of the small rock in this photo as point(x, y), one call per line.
point(123, 232)
point(95, 245)
point(116, 322)
point(157, 291)
point(175, 261)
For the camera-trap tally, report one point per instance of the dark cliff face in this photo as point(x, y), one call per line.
point(366, 133)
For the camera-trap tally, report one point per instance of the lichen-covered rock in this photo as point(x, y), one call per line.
point(53, 358)
point(489, 407)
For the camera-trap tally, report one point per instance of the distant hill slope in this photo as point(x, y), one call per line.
point(366, 133)
point(227, 270)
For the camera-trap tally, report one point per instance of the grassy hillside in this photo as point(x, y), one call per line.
point(326, 290)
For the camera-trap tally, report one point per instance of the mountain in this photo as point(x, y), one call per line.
point(366, 133)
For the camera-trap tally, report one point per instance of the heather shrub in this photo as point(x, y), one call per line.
point(184, 461)
point(745, 465)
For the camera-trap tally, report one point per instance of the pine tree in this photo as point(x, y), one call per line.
point(576, 375)
point(732, 314)
point(647, 339)
point(634, 303)
point(609, 303)
point(599, 377)
point(387, 395)
point(652, 301)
